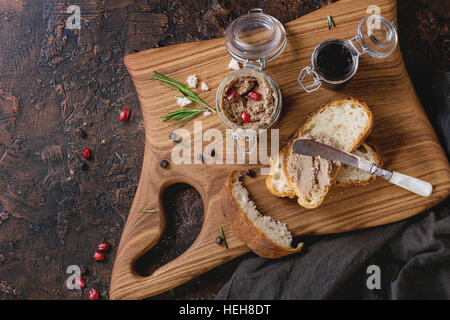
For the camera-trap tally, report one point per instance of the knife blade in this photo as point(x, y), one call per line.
point(312, 148)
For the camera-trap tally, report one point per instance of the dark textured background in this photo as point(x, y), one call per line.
point(54, 81)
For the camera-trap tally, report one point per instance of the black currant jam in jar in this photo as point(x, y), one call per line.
point(335, 61)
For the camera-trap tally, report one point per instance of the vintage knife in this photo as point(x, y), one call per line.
point(312, 148)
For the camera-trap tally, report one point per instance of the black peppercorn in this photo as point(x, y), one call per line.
point(84, 271)
point(250, 173)
point(174, 137)
point(164, 164)
point(212, 153)
point(219, 240)
point(81, 133)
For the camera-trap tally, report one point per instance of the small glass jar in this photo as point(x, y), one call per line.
point(335, 61)
point(252, 39)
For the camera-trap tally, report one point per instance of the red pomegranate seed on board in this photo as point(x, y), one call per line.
point(123, 116)
point(99, 256)
point(104, 246)
point(86, 153)
point(254, 96)
point(245, 117)
point(93, 294)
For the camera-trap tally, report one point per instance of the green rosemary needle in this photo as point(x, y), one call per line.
point(147, 211)
point(118, 156)
point(184, 115)
point(330, 22)
point(222, 234)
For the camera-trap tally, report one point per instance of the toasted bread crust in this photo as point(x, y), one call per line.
point(291, 194)
point(377, 151)
point(336, 170)
point(269, 185)
point(245, 230)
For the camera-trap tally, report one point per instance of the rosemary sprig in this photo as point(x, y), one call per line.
point(176, 85)
point(184, 115)
point(330, 22)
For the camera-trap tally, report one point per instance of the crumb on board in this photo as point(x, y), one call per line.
point(183, 101)
point(234, 64)
point(192, 81)
point(204, 86)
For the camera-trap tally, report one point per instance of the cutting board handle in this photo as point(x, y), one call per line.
point(143, 230)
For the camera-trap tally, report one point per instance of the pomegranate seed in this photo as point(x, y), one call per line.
point(231, 95)
point(99, 256)
point(104, 246)
point(123, 116)
point(80, 282)
point(254, 96)
point(93, 294)
point(245, 117)
point(86, 153)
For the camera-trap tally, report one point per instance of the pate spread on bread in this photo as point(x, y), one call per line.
point(346, 122)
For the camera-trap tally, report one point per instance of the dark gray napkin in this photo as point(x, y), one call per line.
point(413, 255)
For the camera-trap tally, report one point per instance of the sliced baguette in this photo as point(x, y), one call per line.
point(347, 122)
point(263, 235)
point(349, 176)
point(276, 181)
point(277, 184)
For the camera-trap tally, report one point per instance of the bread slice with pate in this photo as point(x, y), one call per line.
point(342, 123)
point(277, 184)
point(265, 236)
point(276, 181)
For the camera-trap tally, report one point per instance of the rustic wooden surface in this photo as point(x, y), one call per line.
point(401, 129)
point(54, 81)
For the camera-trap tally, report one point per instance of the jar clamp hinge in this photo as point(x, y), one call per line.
point(311, 87)
point(259, 64)
point(248, 138)
point(357, 39)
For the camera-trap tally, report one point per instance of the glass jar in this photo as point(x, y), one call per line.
point(252, 39)
point(335, 61)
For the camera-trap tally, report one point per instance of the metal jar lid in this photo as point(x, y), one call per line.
point(255, 38)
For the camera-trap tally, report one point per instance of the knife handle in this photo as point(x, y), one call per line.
point(418, 186)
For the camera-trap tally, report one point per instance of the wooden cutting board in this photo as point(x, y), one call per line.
point(401, 130)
